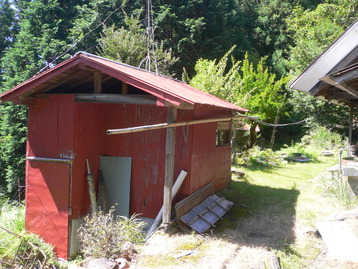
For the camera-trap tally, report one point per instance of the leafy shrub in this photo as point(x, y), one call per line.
point(256, 155)
point(323, 138)
point(301, 150)
point(102, 235)
point(17, 243)
point(12, 218)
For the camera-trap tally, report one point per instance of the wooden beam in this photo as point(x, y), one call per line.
point(116, 99)
point(124, 88)
point(97, 82)
point(25, 100)
point(169, 166)
point(343, 96)
point(344, 87)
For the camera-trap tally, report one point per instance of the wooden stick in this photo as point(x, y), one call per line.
point(91, 190)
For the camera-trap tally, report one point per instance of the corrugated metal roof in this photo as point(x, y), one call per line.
point(165, 89)
point(203, 216)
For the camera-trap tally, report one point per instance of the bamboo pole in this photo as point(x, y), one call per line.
point(174, 124)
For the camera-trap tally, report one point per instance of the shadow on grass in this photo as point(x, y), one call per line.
point(261, 216)
point(260, 167)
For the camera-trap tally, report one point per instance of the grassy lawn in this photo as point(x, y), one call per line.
point(282, 205)
point(274, 213)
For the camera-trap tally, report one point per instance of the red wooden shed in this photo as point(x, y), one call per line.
point(72, 105)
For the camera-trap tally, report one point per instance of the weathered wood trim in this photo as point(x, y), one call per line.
point(169, 166)
point(116, 99)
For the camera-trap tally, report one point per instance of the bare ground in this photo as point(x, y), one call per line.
point(250, 243)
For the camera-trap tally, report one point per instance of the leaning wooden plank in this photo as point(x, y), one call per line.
point(91, 190)
point(193, 200)
point(175, 189)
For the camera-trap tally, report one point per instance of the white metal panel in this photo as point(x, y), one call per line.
point(117, 177)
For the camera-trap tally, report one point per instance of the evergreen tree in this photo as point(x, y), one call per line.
point(7, 25)
point(129, 45)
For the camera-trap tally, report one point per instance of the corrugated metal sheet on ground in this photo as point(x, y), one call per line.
point(203, 216)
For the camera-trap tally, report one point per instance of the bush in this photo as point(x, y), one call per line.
point(12, 218)
point(256, 155)
point(103, 235)
point(323, 138)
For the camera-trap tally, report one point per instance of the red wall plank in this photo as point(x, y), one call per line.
point(209, 163)
point(89, 122)
point(47, 203)
point(50, 127)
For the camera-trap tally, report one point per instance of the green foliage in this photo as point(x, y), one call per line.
point(129, 45)
point(13, 131)
point(323, 138)
point(246, 85)
point(317, 139)
point(103, 235)
point(12, 218)
point(304, 106)
point(340, 191)
point(7, 25)
point(314, 30)
point(15, 241)
point(42, 34)
point(259, 156)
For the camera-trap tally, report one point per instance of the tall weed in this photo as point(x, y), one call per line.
point(12, 218)
point(103, 235)
point(256, 155)
point(323, 138)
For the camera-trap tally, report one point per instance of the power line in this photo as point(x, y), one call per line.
point(281, 124)
point(150, 40)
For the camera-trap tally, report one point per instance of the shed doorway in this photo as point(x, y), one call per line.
point(116, 172)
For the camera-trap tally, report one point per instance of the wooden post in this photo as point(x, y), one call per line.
point(169, 166)
point(124, 88)
point(351, 114)
point(97, 82)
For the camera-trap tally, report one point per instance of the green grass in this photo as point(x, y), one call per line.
point(292, 189)
point(12, 218)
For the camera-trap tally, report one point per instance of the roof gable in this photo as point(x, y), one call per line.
point(338, 56)
point(80, 73)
